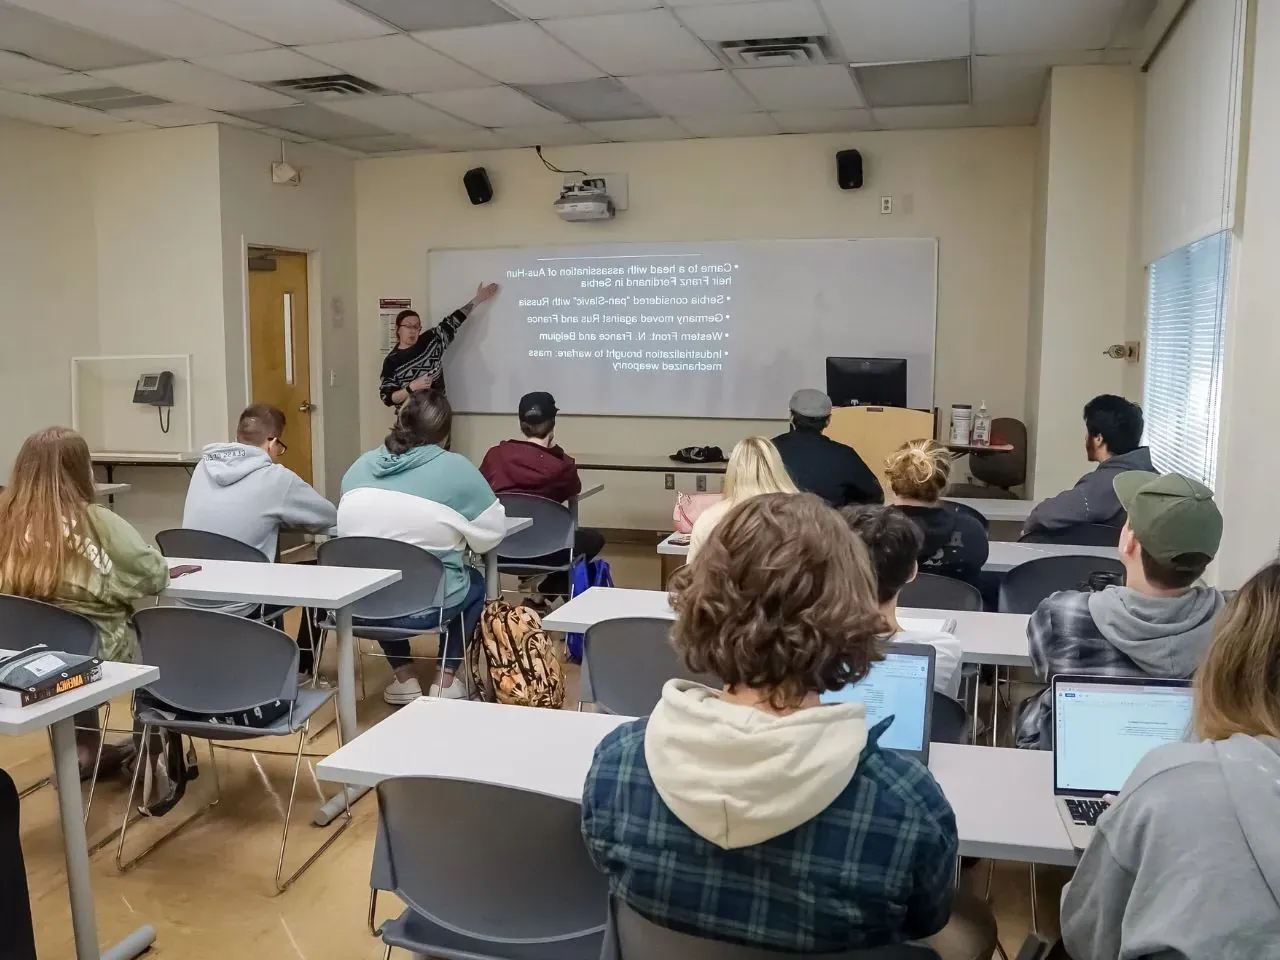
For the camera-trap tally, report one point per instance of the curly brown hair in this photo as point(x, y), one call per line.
point(781, 598)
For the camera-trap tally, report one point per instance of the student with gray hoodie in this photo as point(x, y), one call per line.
point(1186, 864)
point(1159, 624)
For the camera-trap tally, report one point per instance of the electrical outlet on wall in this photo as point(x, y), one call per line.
point(671, 481)
point(886, 205)
point(702, 483)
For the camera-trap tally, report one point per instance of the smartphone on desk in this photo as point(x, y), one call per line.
point(183, 569)
point(680, 539)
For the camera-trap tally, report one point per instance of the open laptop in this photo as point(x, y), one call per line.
point(899, 686)
point(1102, 728)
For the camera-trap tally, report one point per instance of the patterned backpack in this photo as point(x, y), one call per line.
point(520, 665)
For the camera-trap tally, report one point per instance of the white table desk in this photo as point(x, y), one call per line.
point(991, 638)
point(1003, 799)
point(634, 463)
point(111, 489)
point(492, 579)
point(294, 585)
point(588, 491)
point(1015, 511)
point(57, 714)
point(1005, 556)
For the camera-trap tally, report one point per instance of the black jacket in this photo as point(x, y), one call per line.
point(955, 544)
point(828, 468)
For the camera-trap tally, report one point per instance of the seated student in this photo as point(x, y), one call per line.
point(537, 465)
point(819, 464)
point(239, 491)
point(1186, 864)
point(1159, 623)
point(60, 546)
point(1113, 434)
point(414, 489)
point(754, 468)
point(893, 542)
point(955, 543)
point(755, 814)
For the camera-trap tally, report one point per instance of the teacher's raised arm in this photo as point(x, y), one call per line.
point(417, 362)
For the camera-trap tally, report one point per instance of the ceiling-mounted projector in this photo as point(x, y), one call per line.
point(587, 199)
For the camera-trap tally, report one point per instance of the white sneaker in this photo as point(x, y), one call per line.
point(400, 692)
point(454, 691)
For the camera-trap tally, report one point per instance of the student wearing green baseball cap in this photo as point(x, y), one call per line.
point(1159, 624)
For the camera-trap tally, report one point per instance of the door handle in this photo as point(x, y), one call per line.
point(306, 407)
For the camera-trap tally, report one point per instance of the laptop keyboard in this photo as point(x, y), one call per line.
point(1086, 812)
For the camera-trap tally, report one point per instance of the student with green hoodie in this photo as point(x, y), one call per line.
point(59, 546)
point(414, 489)
point(1159, 624)
point(1186, 864)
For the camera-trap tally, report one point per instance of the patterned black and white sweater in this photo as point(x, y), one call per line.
point(403, 365)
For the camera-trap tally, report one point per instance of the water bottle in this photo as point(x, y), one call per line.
point(982, 427)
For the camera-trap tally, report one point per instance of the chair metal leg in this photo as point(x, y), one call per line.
point(995, 708)
point(1035, 907)
point(373, 908)
point(282, 886)
point(386, 954)
point(97, 760)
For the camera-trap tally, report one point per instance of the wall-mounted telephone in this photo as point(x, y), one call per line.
point(156, 390)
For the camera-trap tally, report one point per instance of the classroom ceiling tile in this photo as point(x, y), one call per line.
point(512, 53)
point(399, 115)
point(61, 83)
point(602, 99)
point(386, 143)
point(550, 9)
point(914, 83)
point(104, 123)
point(730, 125)
point(547, 135)
point(151, 25)
point(660, 128)
point(822, 121)
point(413, 15)
point(331, 147)
point(187, 83)
point(314, 122)
point(51, 113)
point(491, 107)
point(475, 139)
point(764, 19)
point(693, 94)
point(634, 44)
point(289, 135)
point(397, 63)
point(705, 3)
point(265, 66)
point(107, 98)
point(801, 88)
point(173, 115)
point(907, 118)
point(872, 31)
point(1043, 26)
point(292, 22)
point(50, 41)
point(1009, 79)
point(17, 66)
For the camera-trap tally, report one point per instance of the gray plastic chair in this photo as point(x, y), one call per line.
point(1027, 584)
point(489, 873)
point(214, 664)
point(933, 592)
point(626, 662)
point(1082, 534)
point(950, 720)
point(420, 587)
point(203, 545)
point(552, 532)
point(632, 937)
point(25, 622)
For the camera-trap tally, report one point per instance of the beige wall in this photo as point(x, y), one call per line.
point(1088, 246)
point(48, 295)
point(317, 217)
point(972, 189)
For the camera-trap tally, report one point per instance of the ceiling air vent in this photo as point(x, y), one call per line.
point(338, 86)
point(777, 52)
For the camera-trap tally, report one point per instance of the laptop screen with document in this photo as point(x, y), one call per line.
point(1103, 727)
point(899, 686)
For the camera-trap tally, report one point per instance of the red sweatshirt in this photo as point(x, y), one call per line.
point(518, 466)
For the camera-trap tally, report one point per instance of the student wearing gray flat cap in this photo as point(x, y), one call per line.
point(819, 464)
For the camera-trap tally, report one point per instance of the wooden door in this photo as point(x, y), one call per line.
point(280, 350)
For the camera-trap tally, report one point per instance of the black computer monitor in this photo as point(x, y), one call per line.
point(867, 381)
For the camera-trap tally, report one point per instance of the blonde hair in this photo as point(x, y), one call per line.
point(919, 470)
point(756, 467)
point(1238, 685)
point(45, 525)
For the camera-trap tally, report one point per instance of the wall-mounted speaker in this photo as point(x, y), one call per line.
point(849, 169)
point(480, 189)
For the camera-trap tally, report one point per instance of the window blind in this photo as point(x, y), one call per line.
point(1186, 301)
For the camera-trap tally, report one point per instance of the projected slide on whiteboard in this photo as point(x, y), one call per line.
point(718, 329)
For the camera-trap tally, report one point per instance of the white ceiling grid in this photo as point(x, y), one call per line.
point(477, 74)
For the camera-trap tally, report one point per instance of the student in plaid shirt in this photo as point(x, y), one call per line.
point(754, 814)
point(1159, 624)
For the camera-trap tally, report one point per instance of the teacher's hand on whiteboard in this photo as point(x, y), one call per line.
point(486, 291)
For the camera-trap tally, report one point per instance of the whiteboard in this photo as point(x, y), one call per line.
point(714, 329)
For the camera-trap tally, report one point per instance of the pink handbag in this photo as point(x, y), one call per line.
point(689, 506)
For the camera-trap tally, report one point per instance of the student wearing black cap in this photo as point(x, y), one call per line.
point(535, 464)
point(819, 464)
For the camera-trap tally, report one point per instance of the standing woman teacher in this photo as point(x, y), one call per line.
point(417, 362)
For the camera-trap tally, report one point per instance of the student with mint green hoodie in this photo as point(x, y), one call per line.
point(414, 489)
